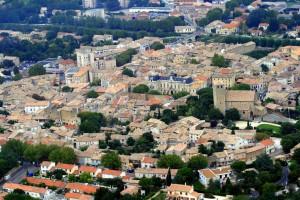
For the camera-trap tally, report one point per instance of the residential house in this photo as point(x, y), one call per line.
point(93, 171)
point(178, 149)
point(218, 174)
point(46, 167)
point(34, 192)
point(229, 29)
point(87, 140)
point(253, 152)
point(223, 158)
point(68, 168)
point(35, 106)
point(154, 172)
point(214, 27)
point(55, 184)
point(223, 77)
point(82, 188)
point(263, 26)
point(78, 196)
point(185, 29)
point(186, 192)
point(269, 145)
point(148, 162)
point(110, 174)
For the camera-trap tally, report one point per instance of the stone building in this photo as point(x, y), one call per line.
point(173, 84)
point(223, 77)
point(243, 100)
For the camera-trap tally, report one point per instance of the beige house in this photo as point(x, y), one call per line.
point(223, 77)
point(186, 192)
point(221, 174)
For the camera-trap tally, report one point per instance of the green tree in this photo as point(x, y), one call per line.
point(184, 175)
point(142, 88)
point(111, 160)
point(36, 70)
point(13, 151)
point(63, 154)
point(261, 136)
point(241, 87)
point(58, 174)
point(144, 143)
point(197, 162)
point(168, 116)
point(67, 89)
point(17, 77)
point(157, 46)
point(296, 156)
point(170, 161)
point(169, 178)
point(130, 141)
point(91, 122)
point(256, 17)
point(154, 92)
point(268, 191)
point(287, 143)
point(241, 197)
point(232, 114)
point(219, 61)
point(102, 145)
point(214, 14)
point(92, 94)
point(264, 68)
point(128, 72)
point(125, 57)
point(85, 177)
point(18, 196)
point(180, 94)
point(239, 166)
point(215, 114)
point(263, 163)
point(287, 128)
point(214, 187)
point(104, 194)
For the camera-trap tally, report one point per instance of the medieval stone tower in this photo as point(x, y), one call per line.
point(219, 93)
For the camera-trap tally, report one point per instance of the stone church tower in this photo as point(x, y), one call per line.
point(219, 93)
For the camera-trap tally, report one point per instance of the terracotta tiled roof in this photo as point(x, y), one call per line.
point(179, 187)
point(112, 172)
point(47, 182)
point(78, 196)
point(267, 142)
point(46, 163)
point(207, 173)
point(26, 188)
point(65, 166)
point(148, 160)
point(88, 189)
point(85, 168)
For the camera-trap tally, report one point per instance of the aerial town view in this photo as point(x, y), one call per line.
point(149, 99)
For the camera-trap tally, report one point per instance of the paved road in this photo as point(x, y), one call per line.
point(284, 177)
point(20, 173)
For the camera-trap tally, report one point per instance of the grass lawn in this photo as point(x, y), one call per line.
point(268, 128)
point(161, 196)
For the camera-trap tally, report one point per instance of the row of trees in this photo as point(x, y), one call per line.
point(17, 11)
point(260, 41)
point(26, 50)
point(125, 57)
point(15, 151)
point(163, 26)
